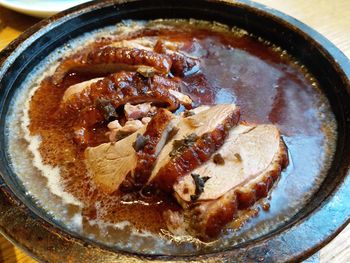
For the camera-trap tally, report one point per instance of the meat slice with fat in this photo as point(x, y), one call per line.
point(111, 163)
point(197, 138)
point(250, 161)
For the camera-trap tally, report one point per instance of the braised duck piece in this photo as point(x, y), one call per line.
point(109, 163)
point(125, 87)
point(181, 64)
point(109, 59)
point(96, 100)
point(241, 172)
point(197, 138)
point(148, 146)
point(129, 160)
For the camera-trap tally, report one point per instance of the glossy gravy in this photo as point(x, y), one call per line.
point(267, 84)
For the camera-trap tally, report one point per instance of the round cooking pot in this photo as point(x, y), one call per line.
point(30, 227)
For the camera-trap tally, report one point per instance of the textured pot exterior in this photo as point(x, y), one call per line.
point(328, 212)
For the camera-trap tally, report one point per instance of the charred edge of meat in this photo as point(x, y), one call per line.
point(113, 55)
point(192, 156)
point(208, 218)
point(146, 155)
point(199, 183)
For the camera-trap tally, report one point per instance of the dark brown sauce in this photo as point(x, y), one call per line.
point(267, 85)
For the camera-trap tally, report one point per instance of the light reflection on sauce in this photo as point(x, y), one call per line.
point(140, 202)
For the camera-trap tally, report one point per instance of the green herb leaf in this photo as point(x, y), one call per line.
point(106, 107)
point(180, 145)
point(199, 182)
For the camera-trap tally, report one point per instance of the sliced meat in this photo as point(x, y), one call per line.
point(225, 168)
point(250, 161)
point(92, 102)
point(110, 163)
point(110, 59)
point(197, 138)
point(184, 99)
point(125, 87)
point(130, 160)
point(148, 147)
point(77, 88)
point(138, 111)
point(118, 132)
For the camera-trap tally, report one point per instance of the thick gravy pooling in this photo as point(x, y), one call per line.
point(235, 67)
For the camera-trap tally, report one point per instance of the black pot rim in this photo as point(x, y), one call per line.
point(334, 206)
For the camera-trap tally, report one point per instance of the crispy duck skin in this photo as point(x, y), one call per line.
point(109, 59)
point(154, 138)
point(94, 102)
point(208, 218)
point(115, 91)
point(195, 154)
point(156, 135)
point(182, 65)
point(124, 87)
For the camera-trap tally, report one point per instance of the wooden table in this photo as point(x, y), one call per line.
point(330, 18)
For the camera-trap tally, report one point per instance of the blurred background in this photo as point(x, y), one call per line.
point(330, 18)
